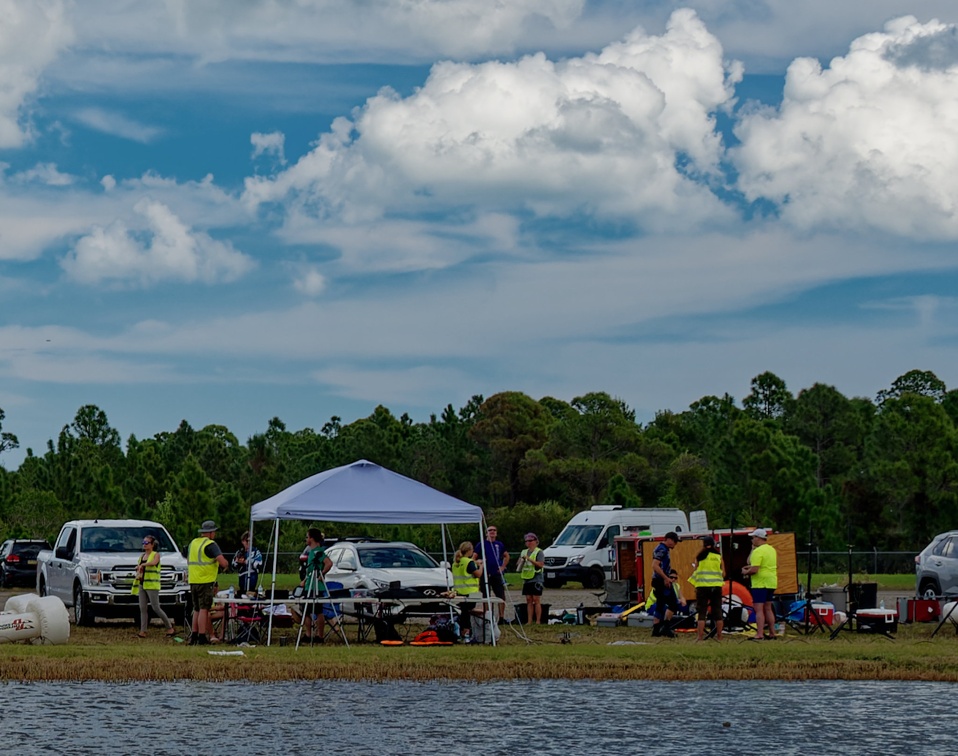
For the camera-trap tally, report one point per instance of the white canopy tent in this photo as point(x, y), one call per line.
point(363, 492)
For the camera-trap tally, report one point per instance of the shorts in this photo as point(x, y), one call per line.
point(762, 595)
point(708, 602)
point(496, 584)
point(532, 588)
point(202, 595)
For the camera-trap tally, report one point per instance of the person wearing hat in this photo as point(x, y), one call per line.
point(763, 567)
point(708, 578)
point(204, 559)
point(663, 586)
point(530, 564)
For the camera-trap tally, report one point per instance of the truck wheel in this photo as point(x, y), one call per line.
point(595, 578)
point(81, 612)
point(4, 578)
point(43, 588)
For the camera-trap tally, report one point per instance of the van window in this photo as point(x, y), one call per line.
point(611, 533)
point(578, 535)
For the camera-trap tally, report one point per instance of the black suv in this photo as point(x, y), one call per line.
point(18, 561)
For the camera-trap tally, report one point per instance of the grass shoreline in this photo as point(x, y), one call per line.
point(112, 653)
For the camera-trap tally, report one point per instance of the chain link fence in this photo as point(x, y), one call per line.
point(872, 562)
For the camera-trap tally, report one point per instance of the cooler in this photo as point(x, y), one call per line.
point(918, 610)
point(825, 612)
point(877, 620)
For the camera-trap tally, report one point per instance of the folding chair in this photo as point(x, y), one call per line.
point(616, 593)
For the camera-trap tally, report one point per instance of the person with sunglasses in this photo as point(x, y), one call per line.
point(146, 587)
point(530, 564)
point(495, 558)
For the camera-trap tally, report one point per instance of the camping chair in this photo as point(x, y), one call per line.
point(616, 593)
point(246, 624)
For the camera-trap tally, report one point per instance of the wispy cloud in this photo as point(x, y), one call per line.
point(117, 124)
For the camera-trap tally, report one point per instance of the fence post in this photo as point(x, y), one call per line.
point(875, 565)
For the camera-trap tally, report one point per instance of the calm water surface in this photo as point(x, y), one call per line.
point(539, 717)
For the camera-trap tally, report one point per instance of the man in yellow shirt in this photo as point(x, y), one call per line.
point(763, 567)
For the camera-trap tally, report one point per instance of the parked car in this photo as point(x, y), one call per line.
point(376, 565)
point(936, 567)
point(18, 561)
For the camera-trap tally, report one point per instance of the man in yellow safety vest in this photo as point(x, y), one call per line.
point(205, 559)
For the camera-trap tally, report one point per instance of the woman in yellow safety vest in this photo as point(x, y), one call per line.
point(530, 566)
point(708, 579)
point(146, 586)
point(466, 571)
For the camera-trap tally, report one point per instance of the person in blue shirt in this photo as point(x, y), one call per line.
point(248, 563)
point(666, 601)
point(495, 559)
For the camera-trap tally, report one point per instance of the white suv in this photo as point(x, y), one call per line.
point(936, 567)
point(377, 565)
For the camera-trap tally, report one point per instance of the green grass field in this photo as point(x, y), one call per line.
point(110, 651)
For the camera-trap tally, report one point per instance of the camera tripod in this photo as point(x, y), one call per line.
point(813, 621)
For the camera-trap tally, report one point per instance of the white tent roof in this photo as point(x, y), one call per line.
point(365, 492)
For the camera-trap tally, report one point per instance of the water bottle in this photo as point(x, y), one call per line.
point(881, 605)
point(231, 592)
point(580, 615)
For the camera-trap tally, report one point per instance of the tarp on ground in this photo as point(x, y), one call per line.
point(368, 493)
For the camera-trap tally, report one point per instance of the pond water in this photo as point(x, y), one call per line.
point(541, 717)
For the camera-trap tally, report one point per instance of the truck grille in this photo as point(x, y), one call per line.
point(121, 577)
point(554, 561)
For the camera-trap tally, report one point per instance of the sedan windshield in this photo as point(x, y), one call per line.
point(387, 557)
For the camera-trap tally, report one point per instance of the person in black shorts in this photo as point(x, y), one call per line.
point(495, 558)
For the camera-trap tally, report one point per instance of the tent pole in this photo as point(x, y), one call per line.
point(489, 610)
point(272, 587)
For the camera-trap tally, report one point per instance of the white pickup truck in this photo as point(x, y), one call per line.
point(93, 564)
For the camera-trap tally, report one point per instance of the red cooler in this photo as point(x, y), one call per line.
point(918, 610)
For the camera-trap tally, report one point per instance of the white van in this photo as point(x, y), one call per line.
point(585, 550)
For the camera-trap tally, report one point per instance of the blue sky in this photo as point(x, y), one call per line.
point(226, 211)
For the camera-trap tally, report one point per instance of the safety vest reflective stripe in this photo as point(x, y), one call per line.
point(529, 570)
point(202, 568)
point(708, 574)
point(463, 582)
point(151, 576)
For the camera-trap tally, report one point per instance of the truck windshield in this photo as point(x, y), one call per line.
point(578, 535)
point(116, 539)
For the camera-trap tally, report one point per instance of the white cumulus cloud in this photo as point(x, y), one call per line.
point(602, 135)
point(269, 144)
point(166, 250)
point(867, 142)
point(309, 281)
point(44, 173)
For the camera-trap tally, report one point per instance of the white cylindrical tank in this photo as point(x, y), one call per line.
point(30, 618)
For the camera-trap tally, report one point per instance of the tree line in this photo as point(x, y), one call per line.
point(879, 473)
